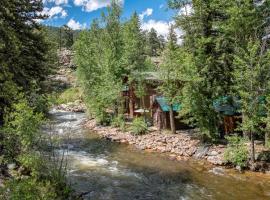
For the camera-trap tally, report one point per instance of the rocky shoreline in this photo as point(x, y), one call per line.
point(181, 146)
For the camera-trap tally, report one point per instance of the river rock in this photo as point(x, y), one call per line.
point(216, 160)
point(201, 152)
point(217, 171)
point(11, 166)
point(213, 153)
point(172, 157)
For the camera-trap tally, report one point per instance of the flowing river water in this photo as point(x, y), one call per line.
point(108, 171)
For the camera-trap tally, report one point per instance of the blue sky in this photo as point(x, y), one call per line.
point(78, 14)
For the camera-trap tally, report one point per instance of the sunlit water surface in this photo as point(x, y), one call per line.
point(108, 171)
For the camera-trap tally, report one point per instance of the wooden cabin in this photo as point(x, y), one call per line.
point(228, 106)
point(132, 102)
point(153, 105)
point(161, 115)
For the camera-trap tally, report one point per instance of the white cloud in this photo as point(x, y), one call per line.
point(162, 27)
point(148, 12)
point(54, 12)
point(92, 5)
point(56, 2)
point(75, 25)
point(186, 10)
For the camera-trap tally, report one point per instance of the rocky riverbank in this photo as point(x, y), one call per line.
point(77, 106)
point(181, 146)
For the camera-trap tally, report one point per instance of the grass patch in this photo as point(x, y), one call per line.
point(69, 95)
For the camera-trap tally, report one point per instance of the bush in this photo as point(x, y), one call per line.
point(28, 189)
point(37, 177)
point(138, 126)
point(237, 151)
point(119, 122)
point(21, 130)
point(70, 95)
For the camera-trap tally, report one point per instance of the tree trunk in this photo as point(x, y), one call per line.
point(131, 102)
point(246, 134)
point(143, 106)
point(172, 122)
point(266, 139)
point(252, 149)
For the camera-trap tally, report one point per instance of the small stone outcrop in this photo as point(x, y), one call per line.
point(66, 58)
point(77, 106)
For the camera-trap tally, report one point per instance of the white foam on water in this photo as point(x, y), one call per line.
point(81, 160)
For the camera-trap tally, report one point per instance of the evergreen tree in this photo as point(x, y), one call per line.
point(252, 76)
point(23, 50)
point(134, 57)
point(67, 36)
point(214, 32)
point(133, 52)
point(212, 79)
point(153, 43)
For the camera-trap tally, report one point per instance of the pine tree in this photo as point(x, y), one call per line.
point(153, 43)
point(134, 57)
point(68, 36)
point(252, 78)
point(23, 50)
point(204, 41)
point(133, 52)
point(214, 32)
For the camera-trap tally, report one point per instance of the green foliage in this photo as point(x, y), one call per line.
point(63, 36)
point(45, 178)
point(154, 44)
point(237, 151)
point(214, 32)
point(138, 126)
point(27, 58)
point(117, 51)
point(170, 70)
point(21, 129)
point(134, 47)
point(29, 189)
point(119, 122)
point(70, 95)
point(68, 36)
point(25, 51)
point(252, 76)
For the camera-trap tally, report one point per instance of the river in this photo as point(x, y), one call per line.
point(109, 171)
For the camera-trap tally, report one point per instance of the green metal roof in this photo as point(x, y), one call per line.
point(165, 106)
point(229, 105)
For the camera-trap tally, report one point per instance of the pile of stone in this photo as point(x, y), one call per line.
point(66, 58)
point(77, 106)
point(181, 146)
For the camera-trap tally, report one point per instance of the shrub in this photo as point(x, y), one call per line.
point(138, 126)
point(28, 189)
point(70, 95)
point(21, 130)
point(119, 122)
point(237, 151)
